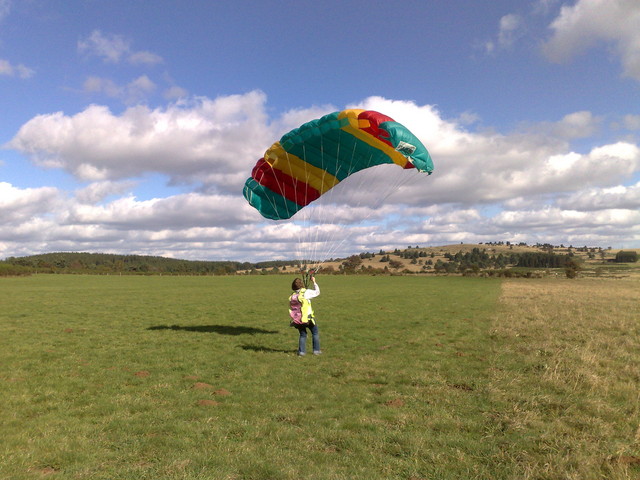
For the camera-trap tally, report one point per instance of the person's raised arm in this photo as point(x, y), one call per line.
point(309, 294)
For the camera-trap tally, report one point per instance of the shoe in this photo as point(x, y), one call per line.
point(301, 354)
point(319, 352)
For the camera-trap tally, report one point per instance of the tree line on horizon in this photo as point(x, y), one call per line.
point(461, 262)
point(106, 263)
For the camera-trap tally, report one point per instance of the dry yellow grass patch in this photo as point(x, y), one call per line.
point(590, 320)
point(567, 374)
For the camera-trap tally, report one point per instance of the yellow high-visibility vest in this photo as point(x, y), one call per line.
point(306, 311)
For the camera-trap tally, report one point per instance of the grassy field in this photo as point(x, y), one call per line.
point(108, 377)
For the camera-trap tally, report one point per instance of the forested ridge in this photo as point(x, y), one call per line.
point(105, 263)
point(410, 260)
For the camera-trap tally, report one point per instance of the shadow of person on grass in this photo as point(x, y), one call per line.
point(258, 348)
point(220, 329)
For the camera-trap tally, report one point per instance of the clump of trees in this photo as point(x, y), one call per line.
point(479, 261)
point(542, 260)
point(626, 256)
point(473, 262)
point(353, 265)
point(9, 270)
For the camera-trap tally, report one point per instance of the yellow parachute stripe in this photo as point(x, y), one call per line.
point(297, 168)
point(354, 128)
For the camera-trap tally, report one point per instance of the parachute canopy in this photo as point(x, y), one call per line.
point(313, 158)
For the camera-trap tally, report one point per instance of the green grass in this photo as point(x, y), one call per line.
point(108, 377)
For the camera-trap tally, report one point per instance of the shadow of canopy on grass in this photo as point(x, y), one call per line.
point(220, 329)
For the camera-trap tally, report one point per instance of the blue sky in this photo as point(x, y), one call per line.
point(130, 127)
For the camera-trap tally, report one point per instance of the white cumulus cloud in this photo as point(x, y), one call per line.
point(21, 205)
point(582, 25)
point(203, 141)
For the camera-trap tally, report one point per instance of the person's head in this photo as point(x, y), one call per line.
point(297, 284)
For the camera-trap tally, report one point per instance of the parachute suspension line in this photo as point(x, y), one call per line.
point(317, 214)
point(308, 230)
point(328, 221)
point(300, 246)
point(334, 246)
point(319, 237)
point(394, 183)
point(306, 245)
point(327, 212)
point(305, 220)
point(317, 227)
point(281, 190)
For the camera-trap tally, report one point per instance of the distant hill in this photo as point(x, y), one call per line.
point(490, 258)
point(103, 263)
point(497, 258)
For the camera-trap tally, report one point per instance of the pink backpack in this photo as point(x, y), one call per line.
point(295, 310)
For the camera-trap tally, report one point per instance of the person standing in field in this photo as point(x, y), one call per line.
point(301, 314)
